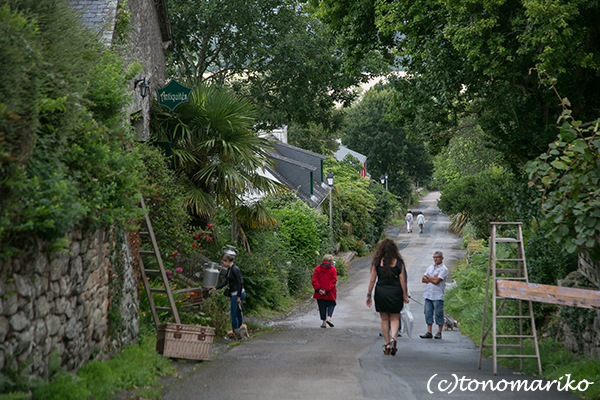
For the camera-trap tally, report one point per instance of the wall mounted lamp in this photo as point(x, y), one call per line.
point(143, 85)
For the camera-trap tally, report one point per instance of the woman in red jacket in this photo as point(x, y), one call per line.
point(324, 281)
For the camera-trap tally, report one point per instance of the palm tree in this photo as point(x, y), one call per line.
point(216, 153)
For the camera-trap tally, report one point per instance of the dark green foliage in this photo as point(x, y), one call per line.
point(476, 58)
point(313, 138)
point(361, 208)
point(65, 154)
point(166, 207)
point(269, 50)
point(481, 198)
point(547, 261)
point(567, 178)
point(370, 132)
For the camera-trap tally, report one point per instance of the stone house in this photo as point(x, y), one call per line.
point(66, 302)
point(142, 30)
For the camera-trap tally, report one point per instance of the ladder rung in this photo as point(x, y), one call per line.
point(158, 290)
point(144, 233)
point(510, 259)
point(507, 240)
point(515, 336)
point(149, 252)
point(152, 271)
point(507, 271)
point(511, 278)
point(514, 316)
point(502, 346)
point(516, 356)
point(168, 309)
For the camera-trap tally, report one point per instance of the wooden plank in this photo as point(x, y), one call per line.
point(566, 296)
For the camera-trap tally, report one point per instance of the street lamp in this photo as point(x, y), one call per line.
point(142, 85)
point(384, 179)
point(330, 183)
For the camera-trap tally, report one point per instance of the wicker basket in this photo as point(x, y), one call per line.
point(185, 341)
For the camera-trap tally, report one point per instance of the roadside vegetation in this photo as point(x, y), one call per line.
point(68, 159)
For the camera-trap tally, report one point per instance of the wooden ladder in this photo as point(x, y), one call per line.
point(518, 272)
point(160, 271)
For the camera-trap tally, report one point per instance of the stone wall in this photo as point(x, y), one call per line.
point(62, 301)
point(577, 328)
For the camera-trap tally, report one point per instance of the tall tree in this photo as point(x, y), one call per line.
point(370, 132)
point(268, 50)
point(476, 57)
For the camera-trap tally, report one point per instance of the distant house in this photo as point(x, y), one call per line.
point(343, 151)
point(299, 170)
point(147, 36)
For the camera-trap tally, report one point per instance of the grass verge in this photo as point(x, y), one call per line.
point(557, 362)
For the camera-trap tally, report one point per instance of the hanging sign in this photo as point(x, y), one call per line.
point(173, 94)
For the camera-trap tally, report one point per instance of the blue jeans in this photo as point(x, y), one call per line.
point(237, 318)
point(434, 307)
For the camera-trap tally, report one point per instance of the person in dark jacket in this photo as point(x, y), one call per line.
point(235, 284)
point(324, 282)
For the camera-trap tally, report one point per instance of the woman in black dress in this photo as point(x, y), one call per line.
point(390, 292)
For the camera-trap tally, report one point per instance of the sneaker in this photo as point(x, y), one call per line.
point(427, 336)
point(437, 335)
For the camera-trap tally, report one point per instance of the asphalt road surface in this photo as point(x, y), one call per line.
point(303, 361)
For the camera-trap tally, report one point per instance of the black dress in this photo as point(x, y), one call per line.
point(389, 297)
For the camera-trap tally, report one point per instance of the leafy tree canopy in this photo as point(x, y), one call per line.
point(568, 177)
point(475, 57)
point(268, 50)
point(479, 198)
point(313, 138)
point(370, 132)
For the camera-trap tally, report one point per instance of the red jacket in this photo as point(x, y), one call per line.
point(325, 277)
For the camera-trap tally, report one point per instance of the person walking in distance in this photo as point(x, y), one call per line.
point(420, 221)
point(387, 270)
point(435, 279)
point(324, 282)
point(409, 221)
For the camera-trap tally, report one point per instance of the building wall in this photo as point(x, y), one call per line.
point(297, 176)
point(145, 46)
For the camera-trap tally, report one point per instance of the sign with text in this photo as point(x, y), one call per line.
point(173, 94)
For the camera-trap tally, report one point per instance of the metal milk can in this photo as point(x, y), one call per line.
point(229, 250)
point(211, 274)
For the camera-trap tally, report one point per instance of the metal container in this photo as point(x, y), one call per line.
point(229, 250)
point(211, 275)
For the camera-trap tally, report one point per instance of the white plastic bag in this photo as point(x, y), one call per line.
point(407, 320)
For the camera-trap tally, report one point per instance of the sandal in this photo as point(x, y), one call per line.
point(386, 349)
point(394, 348)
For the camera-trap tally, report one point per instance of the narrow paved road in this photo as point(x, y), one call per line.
point(303, 361)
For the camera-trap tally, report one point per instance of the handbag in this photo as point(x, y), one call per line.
point(407, 320)
point(226, 292)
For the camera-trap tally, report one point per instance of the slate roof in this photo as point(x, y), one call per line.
point(343, 151)
point(98, 16)
point(298, 169)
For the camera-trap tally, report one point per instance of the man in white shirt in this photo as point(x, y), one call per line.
point(420, 221)
point(435, 278)
point(409, 221)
